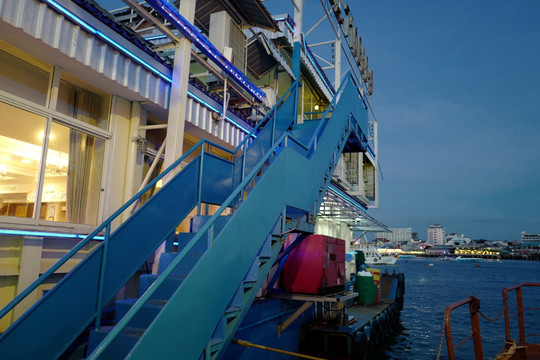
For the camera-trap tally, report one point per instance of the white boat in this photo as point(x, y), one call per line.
point(374, 257)
point(471, 259)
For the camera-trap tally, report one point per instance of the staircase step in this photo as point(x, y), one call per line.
point(198, 221)
point(200, 247)
point(253, 273)
point(120, 347)
point(165, 291)
point(144, 316)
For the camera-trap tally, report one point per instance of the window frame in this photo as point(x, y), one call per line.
point(72, 123)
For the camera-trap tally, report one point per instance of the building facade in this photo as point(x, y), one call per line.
point(530, 240)
point(96, 103)
point(436, 234)
point(396, 235)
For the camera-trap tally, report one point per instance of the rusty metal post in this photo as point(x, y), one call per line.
point(506, 316)
point(474, 307)
point(521, 322)
point(448, 332)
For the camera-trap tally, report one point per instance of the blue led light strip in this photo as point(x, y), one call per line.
point(101, 35)
point(346, 198)
point(106, 38)
point(45, 234)
point(316, 65)
point(193, 35)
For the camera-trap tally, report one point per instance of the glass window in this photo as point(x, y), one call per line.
point(83, 181)
point(78, 103)
point(22, 79)
point(21, 139)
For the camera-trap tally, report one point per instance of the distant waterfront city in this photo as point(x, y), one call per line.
point(439, 243)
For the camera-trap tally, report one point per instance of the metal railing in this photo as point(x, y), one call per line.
point(520, 312)
point(207, 229)
point(105, 227)
point(474, 307)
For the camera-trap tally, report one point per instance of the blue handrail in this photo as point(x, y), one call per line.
point(107, 223)
point(99, 229)
point(168, 271)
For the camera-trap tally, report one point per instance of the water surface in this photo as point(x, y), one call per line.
point(431, 285)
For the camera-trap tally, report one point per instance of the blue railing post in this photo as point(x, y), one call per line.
point(243, 163)
point(102, 269)
point(199, 185)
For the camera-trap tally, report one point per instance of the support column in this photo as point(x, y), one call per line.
point(134, 163)
point(30, 269)
point(174, 142)
point(337, 62)
point(297, 48)
point(178, 96)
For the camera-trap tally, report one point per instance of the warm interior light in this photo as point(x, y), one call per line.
point(316, 107)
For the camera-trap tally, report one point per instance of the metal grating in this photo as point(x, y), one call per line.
point(336, 207)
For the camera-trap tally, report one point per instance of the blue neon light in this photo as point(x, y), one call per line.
point(348, 199)
point(192, 34)
point(98, 33)
point(106, 38)
point(156, 37)
point(370, 151)
point(315, 65)
point(45, 234)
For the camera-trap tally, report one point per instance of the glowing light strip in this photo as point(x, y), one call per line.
point(90, 29)
point(46, 234)
point(346, 198)
point(370, 151)
point(193, 35)
point(155, 37)
point(98, 33)
point(306, 51)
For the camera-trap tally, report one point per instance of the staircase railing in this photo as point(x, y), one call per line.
point(105, 227)
point(208, 228)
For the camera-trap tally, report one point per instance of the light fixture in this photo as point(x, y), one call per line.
point(316, 107)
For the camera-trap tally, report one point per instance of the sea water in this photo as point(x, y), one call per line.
point(432, 284)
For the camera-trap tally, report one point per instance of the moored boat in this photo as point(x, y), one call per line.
point(470, 259)
point(375, 257)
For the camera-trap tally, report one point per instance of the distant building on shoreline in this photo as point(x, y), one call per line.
point(395, 235)
point(457, 239)
point(529, 240)
point(436, 234)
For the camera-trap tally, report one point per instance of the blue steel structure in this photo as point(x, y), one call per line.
point(276, 177)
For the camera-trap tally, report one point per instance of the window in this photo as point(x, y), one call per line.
point(21, 139)
point(22, 79)
point(50, 165)
point(71, 177)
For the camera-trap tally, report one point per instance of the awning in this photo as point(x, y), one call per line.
point(262, 56)
point(247, 12)
point(338, 205)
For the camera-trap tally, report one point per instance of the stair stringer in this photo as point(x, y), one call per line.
point(187, 322)
point(75, 296)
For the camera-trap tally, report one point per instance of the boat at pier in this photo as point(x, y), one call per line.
point(467, 259)
point(375, 257)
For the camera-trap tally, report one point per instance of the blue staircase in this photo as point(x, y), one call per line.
point(193, 307)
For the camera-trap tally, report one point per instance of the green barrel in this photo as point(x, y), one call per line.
point(366, 289)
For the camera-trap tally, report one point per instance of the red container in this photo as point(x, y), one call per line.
point(316, 266)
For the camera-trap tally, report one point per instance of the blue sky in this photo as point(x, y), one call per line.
point(456, 97)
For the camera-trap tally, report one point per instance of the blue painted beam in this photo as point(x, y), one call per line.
point(171, 14)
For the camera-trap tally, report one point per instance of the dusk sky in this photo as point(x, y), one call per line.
point(456, 97)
